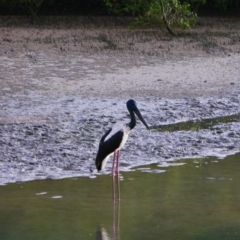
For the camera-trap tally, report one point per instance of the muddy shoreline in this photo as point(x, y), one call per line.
point(59, 95)
point(65, 144)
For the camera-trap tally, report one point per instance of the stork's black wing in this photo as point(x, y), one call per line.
point(107, 147)
point(104, 136)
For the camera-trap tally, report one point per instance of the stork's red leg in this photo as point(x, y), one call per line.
point(113, 178)
point(117, 164)
point(113, 163)
point(117, 173)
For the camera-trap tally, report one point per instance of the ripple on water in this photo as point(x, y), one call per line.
point(41, 193)
point(153, 171)
point(211, 178)
point(56, 197)
point(165, 164)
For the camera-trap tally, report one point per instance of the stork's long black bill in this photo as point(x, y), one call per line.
point(141, 117)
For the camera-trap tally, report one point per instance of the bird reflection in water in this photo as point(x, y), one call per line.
point(102, 234)
point(115, 179)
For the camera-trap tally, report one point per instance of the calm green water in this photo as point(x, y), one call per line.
point(198, 200)
point(196, 125)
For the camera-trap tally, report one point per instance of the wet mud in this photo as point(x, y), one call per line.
point(64, 142)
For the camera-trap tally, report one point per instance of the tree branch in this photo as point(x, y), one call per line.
point(165, 19)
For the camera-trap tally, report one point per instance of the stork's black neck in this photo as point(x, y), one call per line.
point(132, 123)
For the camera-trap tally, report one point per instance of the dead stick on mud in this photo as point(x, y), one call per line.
point(165, 19)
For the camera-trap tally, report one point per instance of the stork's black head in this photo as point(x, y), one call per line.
point(132, 107)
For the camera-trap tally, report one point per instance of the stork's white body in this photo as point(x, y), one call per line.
point(118, 127)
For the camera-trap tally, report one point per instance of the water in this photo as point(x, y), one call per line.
point(195, 125)
point(199, 199)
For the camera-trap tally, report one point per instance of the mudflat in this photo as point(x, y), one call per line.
point(89, 56)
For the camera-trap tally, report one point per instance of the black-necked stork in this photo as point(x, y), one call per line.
point(115, 138)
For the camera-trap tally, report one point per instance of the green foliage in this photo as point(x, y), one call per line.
point(11, 4)
point(32, 7)
point(178, 13)
point(195, 4)
point(156, 12)
point(132, 7)
point(223, 4)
